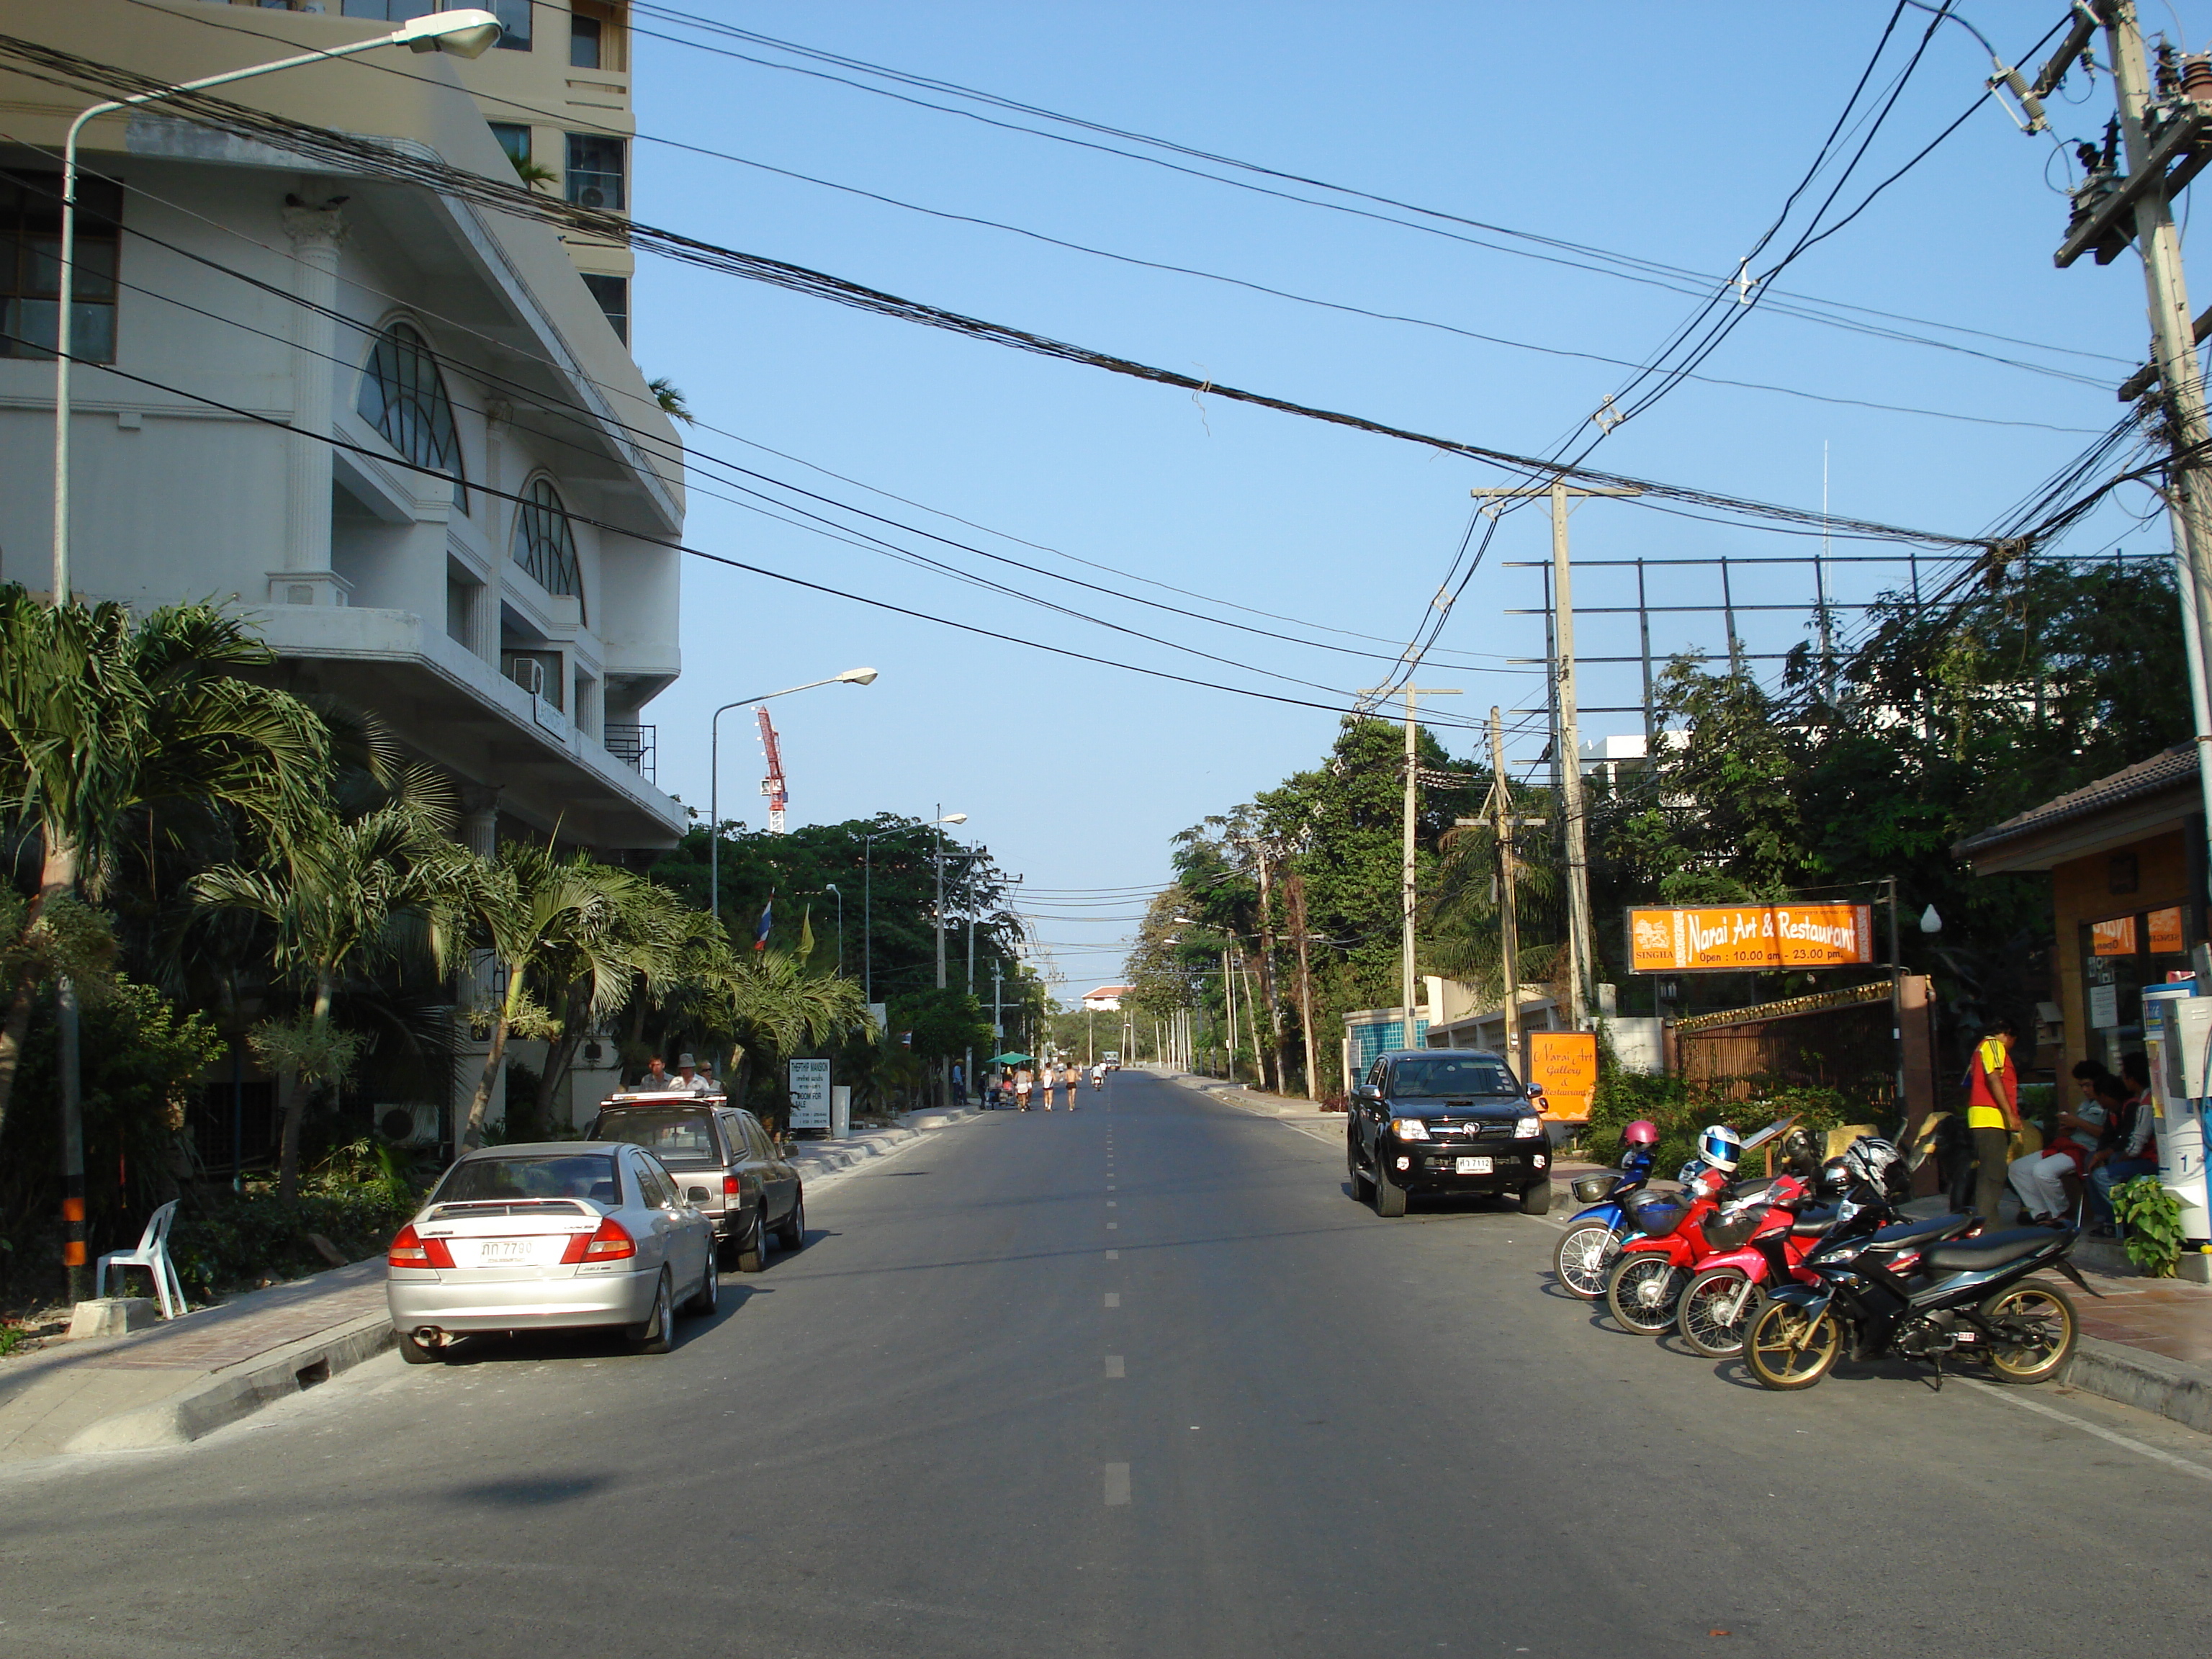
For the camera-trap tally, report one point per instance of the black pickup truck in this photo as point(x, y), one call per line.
point(1433, 1121)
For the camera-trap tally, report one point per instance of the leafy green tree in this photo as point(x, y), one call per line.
point(106, 719)
point(343, 896)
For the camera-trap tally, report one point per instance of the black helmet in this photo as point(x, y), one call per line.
point(1835, 1174)
point(1800, 1153)
point(1875, 1162)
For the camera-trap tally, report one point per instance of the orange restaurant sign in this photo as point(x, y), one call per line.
point(1565, 1064)
point(1732, 938)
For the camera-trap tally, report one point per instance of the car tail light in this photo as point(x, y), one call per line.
point(610, 1242)
point(410, 1249)
point(731, 1186)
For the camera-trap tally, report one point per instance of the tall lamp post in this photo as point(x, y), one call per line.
point(832, 886)
point(850, 676)
point(465, 34)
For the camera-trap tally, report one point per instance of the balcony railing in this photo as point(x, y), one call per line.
point(633, 744)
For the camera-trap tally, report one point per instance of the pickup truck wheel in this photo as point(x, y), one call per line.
point(1537, 1200)
point(1361, 1187)
point(1390, 1196)
point(752, 1247)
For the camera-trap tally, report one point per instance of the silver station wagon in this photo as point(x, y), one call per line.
point(549, 1237)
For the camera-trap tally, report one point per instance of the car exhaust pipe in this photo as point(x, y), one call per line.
point(429, 1335)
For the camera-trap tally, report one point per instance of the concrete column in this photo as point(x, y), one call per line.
point(306, 577)
point(480, 819)
point(498, 523)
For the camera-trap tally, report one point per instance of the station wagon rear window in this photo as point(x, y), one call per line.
point(562, 1175)
point(675, 1135)
point(1451, 1074)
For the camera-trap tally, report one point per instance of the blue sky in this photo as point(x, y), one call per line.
point(1673, 134)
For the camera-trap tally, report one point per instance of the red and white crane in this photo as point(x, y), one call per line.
point(772, 786)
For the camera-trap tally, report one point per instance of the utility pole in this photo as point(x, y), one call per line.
point(1267, 974)
point(1509, 914)
point(2158, 134)
point(1567, 740)
point(1294, 899)
point(1229, 1012)
point(1408, 897)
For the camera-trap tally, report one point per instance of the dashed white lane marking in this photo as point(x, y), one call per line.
point(1113, 1255)
point(1113, 1226)
point(1117, 1484)
point(1114, 1366)
point(1113, 1204)
point(1996, 1391)
point(1113, 1298)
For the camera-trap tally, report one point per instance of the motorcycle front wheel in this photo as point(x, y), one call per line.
point(1713, 1311)
point(2035, 1332)
point(1787, 1348)
point(1642, 1290)
point(1583, 1256)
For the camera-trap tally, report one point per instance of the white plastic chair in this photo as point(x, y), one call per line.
point(153, 1255)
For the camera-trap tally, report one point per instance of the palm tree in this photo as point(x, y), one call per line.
point(341, 894)
point(775, 1004)
point(105, 719)
point(549, 919)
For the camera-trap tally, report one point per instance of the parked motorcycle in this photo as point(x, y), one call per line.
point(1593, 1235)
point(1644, 1285)
point(1873, 1297)
point(1725, 1289)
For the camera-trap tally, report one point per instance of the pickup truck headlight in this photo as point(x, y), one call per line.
point(1528, 1128)
point(1409, 1129)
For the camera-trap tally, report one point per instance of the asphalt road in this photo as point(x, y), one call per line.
point(1144, 1381)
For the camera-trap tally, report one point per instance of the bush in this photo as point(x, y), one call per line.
point(1681, 1108)
point(225, 1241)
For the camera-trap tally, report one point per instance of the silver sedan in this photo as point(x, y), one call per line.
point(547, 1237)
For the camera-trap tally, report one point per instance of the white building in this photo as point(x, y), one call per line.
point(516, 644)
point(1106, 999)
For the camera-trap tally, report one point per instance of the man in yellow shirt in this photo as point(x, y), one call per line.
point(1992, 1115)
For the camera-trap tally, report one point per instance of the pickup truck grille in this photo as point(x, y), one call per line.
point(1470, 1131)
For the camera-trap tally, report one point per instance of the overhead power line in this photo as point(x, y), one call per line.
point(346, 153)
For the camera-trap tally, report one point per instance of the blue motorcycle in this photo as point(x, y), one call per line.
point(1593, 1237)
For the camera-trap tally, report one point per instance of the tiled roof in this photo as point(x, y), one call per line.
point(2176, 767)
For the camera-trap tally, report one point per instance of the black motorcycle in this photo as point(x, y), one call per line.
point(1924, 1298)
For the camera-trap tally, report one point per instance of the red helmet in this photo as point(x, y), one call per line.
point(1642, 1133)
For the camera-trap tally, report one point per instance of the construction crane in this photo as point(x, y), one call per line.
point(772, 786)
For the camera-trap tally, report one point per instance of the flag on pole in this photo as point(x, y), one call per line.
point(806, 934)
point(767, 919)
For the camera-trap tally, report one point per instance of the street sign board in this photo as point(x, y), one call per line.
point(1740, 938)
point(810, 1094)
point(1564, 1065)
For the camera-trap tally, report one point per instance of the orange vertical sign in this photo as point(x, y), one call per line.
point(1725, 937)
point(2166, 932)
point(1563, 1064)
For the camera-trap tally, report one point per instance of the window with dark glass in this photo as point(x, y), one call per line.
point(514, 23)
point(595, 170)
point(31, 265)
point(404, 397)
point(544, 542)
point(613, 295)
point(514, 138)
point(584, 42)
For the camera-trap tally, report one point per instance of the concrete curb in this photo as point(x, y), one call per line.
point(225, 1398)
point(2150, 1382)
point(824, 1160)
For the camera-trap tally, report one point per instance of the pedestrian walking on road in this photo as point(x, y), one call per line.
point(1022, 1089)
point(1072, 1077)
point(1992, 1115)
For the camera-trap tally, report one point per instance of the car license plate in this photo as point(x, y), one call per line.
point(1471, 1166)
point(503, 1252)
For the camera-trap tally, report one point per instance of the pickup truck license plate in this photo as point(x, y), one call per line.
point(502, 1252)
point(1471, 1166)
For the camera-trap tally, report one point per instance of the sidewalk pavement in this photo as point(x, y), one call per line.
point(175, 1382)
point(2144, 1342)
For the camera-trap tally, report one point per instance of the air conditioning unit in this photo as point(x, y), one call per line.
point(528, 672)
point(410, 1123)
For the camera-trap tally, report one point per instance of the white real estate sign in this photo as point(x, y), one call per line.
point(810, 1094)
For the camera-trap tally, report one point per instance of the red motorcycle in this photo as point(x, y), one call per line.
point(1650, 1273)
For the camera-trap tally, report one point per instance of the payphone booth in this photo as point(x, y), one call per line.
point(2178, 1043)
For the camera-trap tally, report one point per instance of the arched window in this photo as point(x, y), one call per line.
point(404, 397)
point(545, 544)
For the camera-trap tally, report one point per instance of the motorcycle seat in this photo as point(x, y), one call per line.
point(1977, 1255)
point(1811, 1223)
point(1905, 1234)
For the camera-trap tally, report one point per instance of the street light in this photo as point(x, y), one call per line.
point(464, 33)
point(867, 897)
point(832, 886)
point(850, 676)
